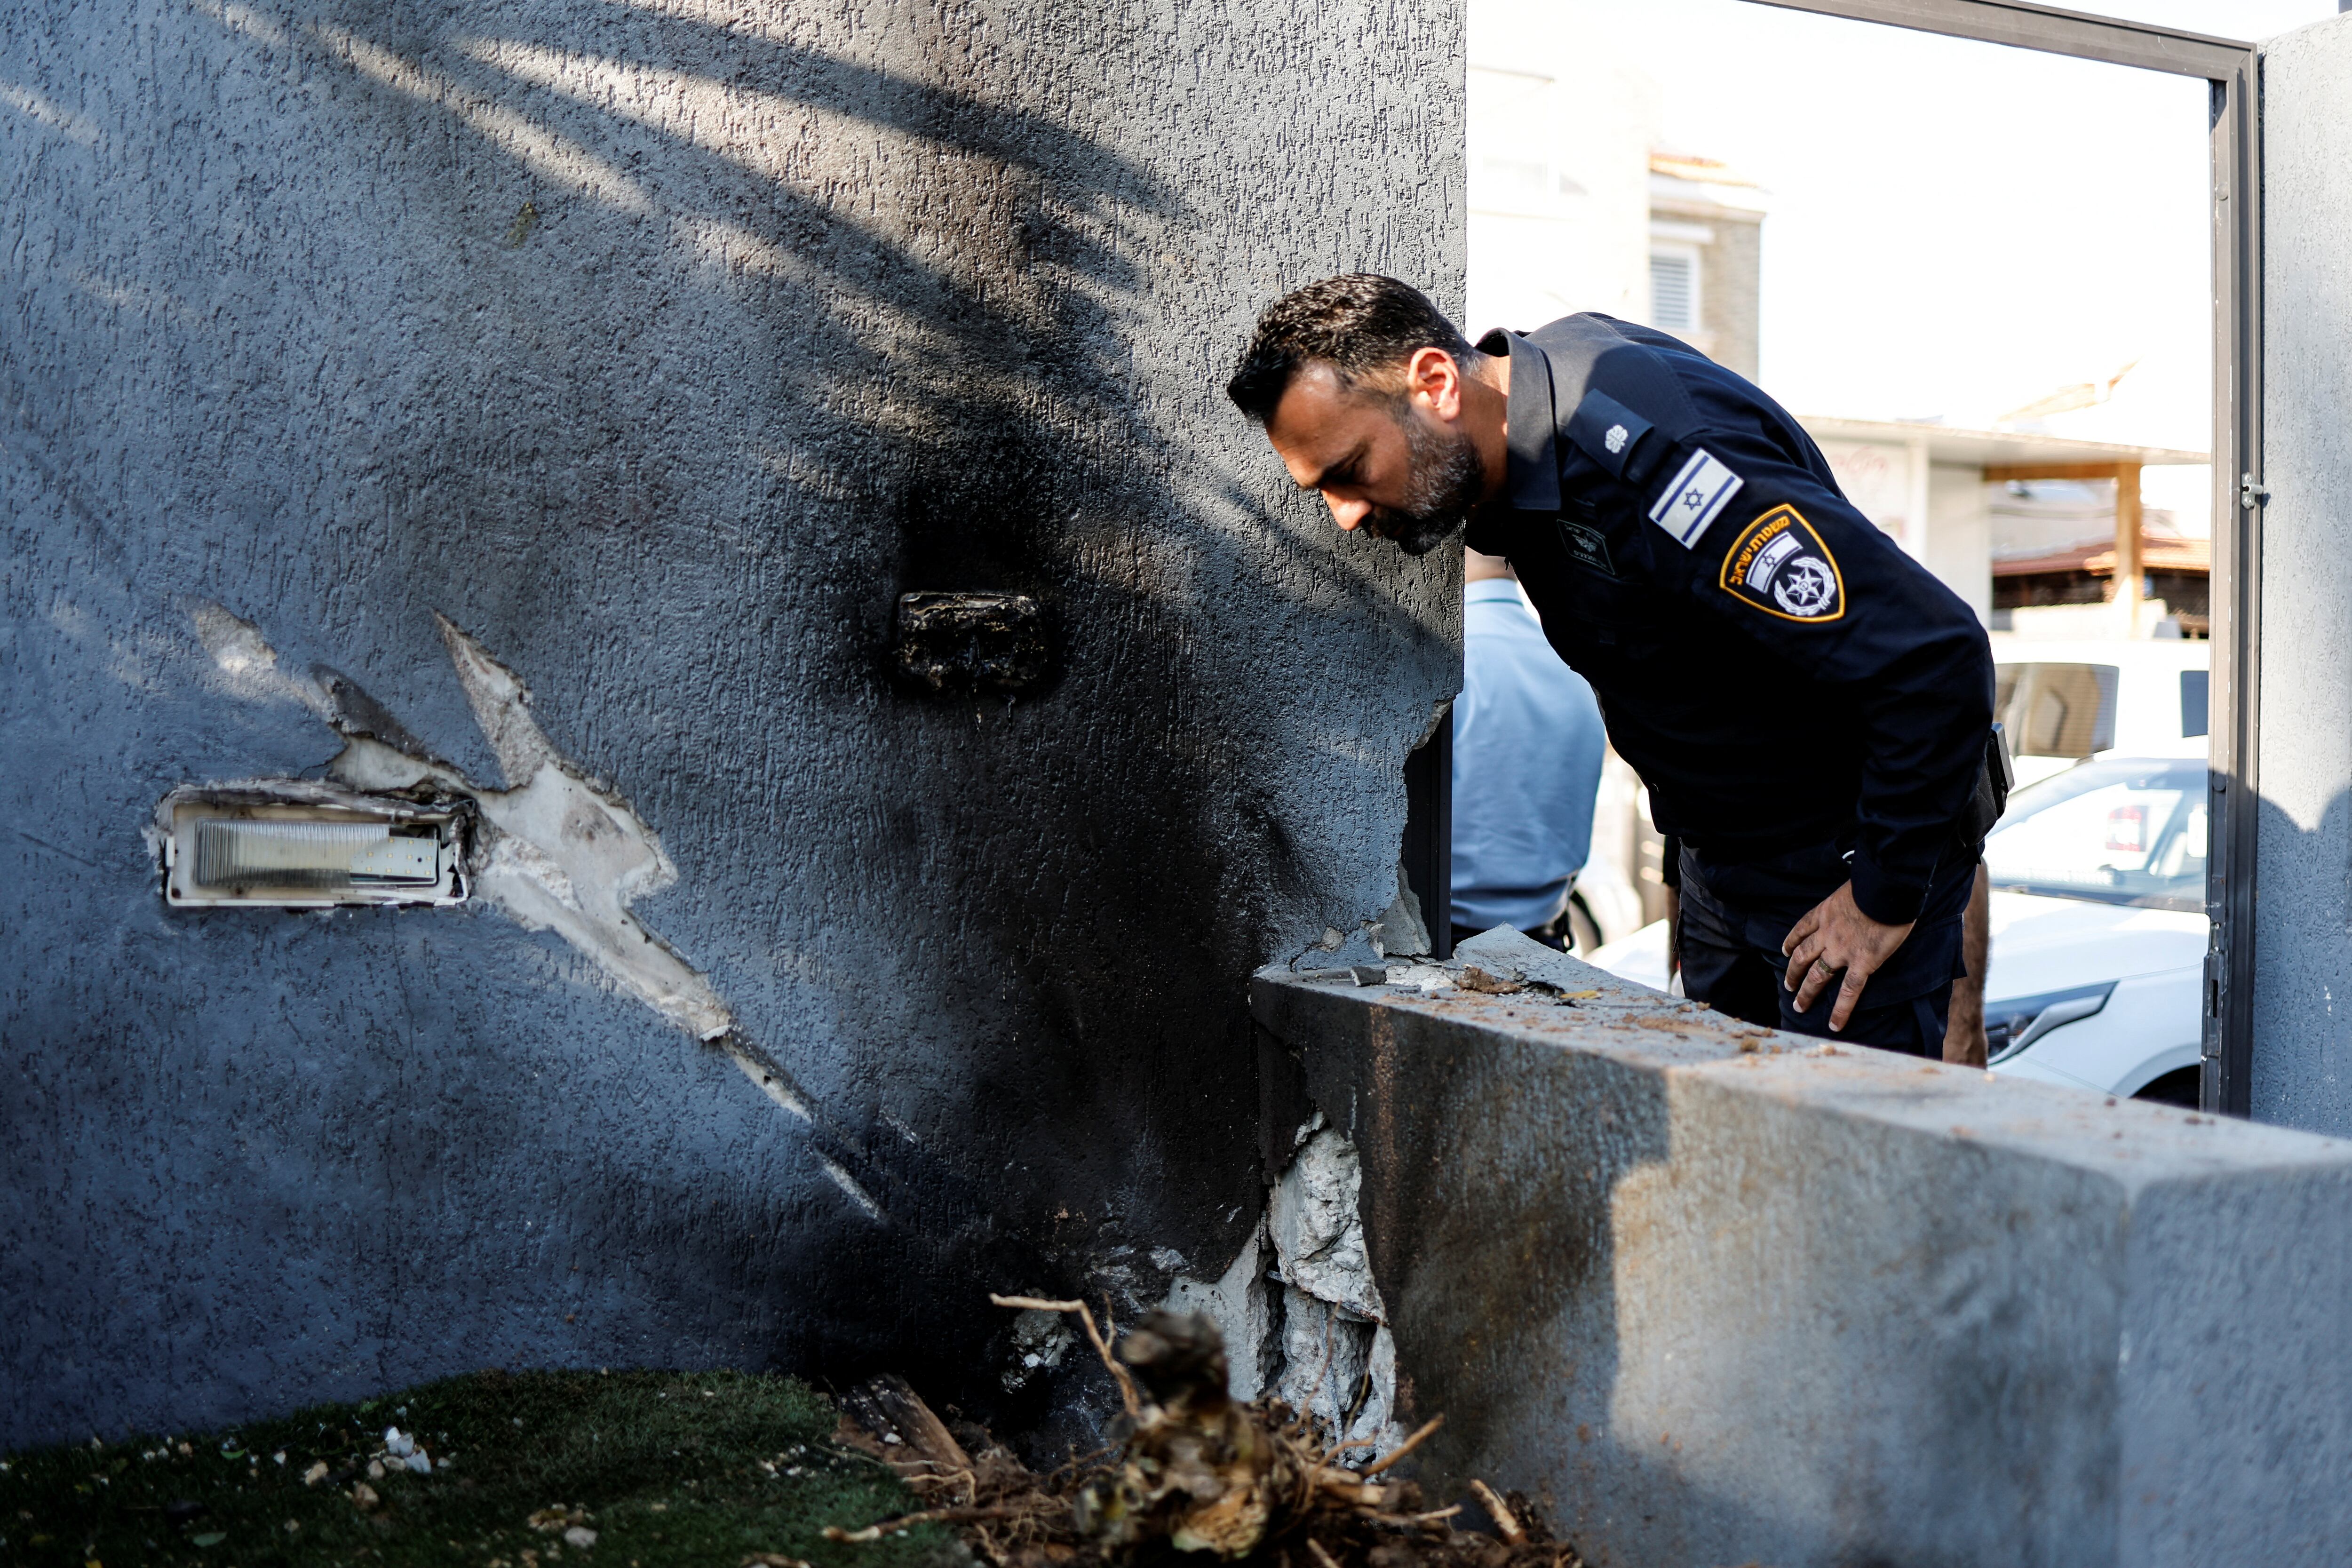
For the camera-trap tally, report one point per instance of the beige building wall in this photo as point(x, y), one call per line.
point(1719, 228)
point(1959, 547)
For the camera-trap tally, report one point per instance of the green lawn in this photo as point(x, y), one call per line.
point(669, 1471)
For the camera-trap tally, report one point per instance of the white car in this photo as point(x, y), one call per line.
point(2098, 930)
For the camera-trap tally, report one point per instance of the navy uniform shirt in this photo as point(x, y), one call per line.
point(1777, 669)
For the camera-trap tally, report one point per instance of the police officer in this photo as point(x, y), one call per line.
point(1810, 709)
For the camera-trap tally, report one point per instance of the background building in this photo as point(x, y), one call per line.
point(1577, 203)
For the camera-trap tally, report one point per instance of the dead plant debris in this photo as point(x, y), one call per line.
point(1191, 1470)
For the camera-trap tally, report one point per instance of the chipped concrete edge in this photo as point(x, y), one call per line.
point(1573, 1006)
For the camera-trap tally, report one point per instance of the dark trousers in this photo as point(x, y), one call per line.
point(1736, 916)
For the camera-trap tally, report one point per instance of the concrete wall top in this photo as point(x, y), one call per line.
point(1720, 1295)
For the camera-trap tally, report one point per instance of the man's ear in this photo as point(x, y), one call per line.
point(1433, 376)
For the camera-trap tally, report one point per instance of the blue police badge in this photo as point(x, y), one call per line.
point(1780, 566)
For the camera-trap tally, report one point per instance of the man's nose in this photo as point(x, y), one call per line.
point(1348, 513)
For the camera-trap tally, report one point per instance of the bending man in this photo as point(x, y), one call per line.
point(1810, 709)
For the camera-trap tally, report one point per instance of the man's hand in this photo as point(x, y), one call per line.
point(1835, 936)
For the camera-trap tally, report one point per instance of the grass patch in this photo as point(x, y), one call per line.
point(669, 1471)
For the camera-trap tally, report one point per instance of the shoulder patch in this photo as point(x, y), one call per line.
point(1780, 566)
point(1609, 432)
point(1694, 497)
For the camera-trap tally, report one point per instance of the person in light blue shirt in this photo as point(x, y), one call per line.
point(1527, 741)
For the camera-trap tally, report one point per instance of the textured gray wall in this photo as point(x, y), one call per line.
point(823, 303)
point(2303, 927)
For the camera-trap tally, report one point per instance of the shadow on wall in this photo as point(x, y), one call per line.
point(662, 349)
point(2303, 1051)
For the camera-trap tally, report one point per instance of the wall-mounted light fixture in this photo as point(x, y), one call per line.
point(296, 843)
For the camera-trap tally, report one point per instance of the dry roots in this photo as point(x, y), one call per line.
point(1194, 1471)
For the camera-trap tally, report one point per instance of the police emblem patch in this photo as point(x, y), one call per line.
point(1780, 566)
point(1615, 439)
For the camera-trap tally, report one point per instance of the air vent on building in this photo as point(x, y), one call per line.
point(1674, 292)
point(298, 844)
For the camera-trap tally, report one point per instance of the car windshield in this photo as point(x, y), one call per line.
point(2118, 830)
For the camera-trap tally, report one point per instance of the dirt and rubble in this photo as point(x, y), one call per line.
point(1189, 1471)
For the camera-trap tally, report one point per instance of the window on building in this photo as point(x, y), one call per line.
point(1674, 290)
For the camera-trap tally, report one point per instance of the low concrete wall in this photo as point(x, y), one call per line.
point(1719, 1297)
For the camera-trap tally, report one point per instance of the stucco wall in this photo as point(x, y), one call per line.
point(2302, 926)
point(660, 346)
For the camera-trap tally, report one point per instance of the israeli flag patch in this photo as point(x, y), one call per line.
point(1695, 497)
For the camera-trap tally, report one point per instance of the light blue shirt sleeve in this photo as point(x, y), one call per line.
point(1527, 743)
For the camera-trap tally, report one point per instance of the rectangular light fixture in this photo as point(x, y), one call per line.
point(311, 847)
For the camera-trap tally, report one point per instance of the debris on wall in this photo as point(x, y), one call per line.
point(957, 644)
point(560, 850)
point(1040, 1341)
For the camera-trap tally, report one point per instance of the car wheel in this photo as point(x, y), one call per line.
point(2178, 1086)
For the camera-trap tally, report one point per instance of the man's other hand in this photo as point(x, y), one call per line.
point(1836, 937)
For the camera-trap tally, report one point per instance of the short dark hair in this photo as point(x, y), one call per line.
point(1358, 323)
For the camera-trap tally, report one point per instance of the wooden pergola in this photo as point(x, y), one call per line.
point(2130, 577)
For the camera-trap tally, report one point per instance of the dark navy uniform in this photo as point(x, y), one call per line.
point(1806, 704)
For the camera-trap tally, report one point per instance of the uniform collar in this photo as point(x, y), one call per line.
point(1490, 589)
point(1531, 479)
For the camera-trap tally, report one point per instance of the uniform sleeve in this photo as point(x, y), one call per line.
point(1789, 562)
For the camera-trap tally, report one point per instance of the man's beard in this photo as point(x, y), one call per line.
point(1447, 478)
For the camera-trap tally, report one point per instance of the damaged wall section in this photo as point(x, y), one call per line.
point(1299, 1309)
point(659, 350)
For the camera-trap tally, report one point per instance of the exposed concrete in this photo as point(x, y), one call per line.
point(1241, 1302)
point(1338, 1358)
point(563, 853)
point(2302, 981)
point(663, 346)
point(1723, 1295)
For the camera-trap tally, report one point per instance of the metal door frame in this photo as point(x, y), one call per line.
point(2234, 70)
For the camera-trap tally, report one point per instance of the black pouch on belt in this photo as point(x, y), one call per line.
point(1991, 797)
